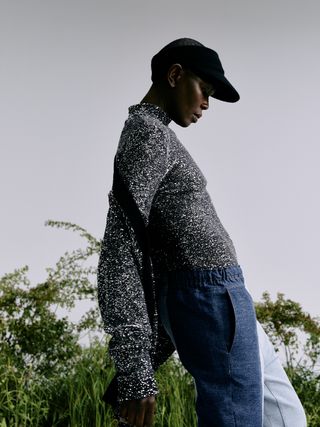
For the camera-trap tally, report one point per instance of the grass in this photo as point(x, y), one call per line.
point(74, 399)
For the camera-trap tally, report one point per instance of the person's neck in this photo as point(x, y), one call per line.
point(155, 97)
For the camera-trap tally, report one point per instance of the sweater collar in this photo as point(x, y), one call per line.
point(150, 110)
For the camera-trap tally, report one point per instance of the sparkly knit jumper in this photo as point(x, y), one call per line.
point(184, 230)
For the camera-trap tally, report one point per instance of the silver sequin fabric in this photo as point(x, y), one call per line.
point(185, 233)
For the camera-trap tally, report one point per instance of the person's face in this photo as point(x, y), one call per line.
point(189, 97)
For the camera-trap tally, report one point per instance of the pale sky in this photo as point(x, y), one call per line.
point(70, 69)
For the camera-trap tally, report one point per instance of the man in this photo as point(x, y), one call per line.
point(199, 287)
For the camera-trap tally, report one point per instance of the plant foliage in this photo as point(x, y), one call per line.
point(47, 379)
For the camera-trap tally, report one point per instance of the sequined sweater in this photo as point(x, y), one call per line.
point(185, 233)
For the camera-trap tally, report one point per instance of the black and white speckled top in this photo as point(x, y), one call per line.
point(185, 233)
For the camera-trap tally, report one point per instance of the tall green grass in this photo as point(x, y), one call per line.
point(74, 399)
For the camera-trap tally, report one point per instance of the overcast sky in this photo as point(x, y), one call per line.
point(69, 71)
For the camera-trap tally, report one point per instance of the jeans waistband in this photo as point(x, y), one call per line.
point(199, 277)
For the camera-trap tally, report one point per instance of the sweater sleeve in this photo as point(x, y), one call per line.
point(142, 162)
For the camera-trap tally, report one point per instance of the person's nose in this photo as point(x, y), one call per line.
point(205, 104)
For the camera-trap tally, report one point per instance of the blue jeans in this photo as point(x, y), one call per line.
point(211, 320)
point(281, 406)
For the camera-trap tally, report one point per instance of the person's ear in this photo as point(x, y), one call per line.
point(174, 74)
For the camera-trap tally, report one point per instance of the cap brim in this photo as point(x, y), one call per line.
point(224, 91)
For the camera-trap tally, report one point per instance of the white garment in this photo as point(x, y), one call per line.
point(282, 407)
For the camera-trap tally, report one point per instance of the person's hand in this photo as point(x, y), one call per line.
point(139, 412)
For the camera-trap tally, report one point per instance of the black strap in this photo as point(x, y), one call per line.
point(133, 214)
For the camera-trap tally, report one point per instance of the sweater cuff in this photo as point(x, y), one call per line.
point(136, 385)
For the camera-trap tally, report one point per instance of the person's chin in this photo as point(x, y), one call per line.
point(186, 124)
point(183, 122)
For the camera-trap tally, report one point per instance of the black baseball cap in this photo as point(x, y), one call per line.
point(202, 61)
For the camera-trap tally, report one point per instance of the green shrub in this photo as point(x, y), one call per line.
point(47, 379)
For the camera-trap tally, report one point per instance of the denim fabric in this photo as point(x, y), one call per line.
point(210, 317)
